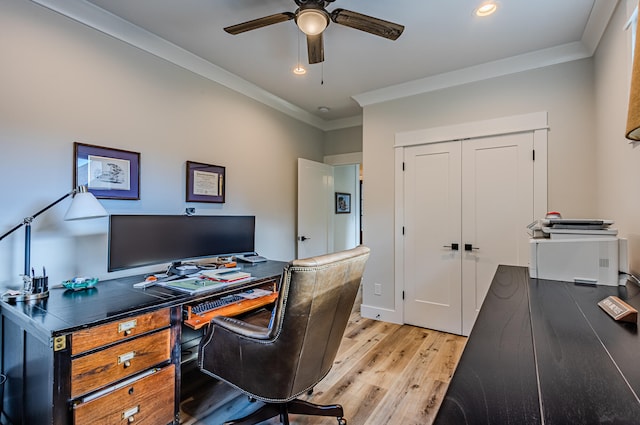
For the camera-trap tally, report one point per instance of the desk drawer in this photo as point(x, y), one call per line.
point(114, 363)
point(150, 400)
point(89, 339)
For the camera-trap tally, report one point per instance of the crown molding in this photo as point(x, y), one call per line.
point(99, 19)
point(596, 25)
point(94, 17)
point(485, 71)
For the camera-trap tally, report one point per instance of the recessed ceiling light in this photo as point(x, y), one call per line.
point(323, 109)
point(487, 9)
point(299, 70)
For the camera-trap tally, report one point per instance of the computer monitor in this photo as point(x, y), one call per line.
point(143, 240)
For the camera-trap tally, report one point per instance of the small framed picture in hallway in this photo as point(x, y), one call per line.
point(343, 203)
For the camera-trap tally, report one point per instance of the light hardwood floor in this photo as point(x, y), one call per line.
point(384, 374)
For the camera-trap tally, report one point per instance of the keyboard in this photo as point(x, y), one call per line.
point(200, 314)
point(213, 304)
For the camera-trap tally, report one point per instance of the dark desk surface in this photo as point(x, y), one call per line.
point(542, 351)
point(65, 310)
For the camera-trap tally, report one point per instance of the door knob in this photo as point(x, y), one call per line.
point(303, 238)
point(453, 246)
point(470, 247)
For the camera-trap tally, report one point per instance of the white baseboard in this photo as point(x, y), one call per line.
point(383, 314)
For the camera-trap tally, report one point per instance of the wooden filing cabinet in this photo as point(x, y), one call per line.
point(148, 399)
point(121, 371)
point(135, 351)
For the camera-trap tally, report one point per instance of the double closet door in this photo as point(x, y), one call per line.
point(466, 207)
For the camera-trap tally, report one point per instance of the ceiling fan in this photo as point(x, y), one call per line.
point(312, 18)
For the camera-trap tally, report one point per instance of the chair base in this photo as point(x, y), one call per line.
point(297, 406)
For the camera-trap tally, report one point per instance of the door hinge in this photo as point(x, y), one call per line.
point(534, 155)
point(403, 230)
point(403, 295)
point(403, 166)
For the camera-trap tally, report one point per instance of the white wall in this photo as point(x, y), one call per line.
point(565, 91)
point(618, 165)
point(346, 228)
point(344, 140)
point(61, 82)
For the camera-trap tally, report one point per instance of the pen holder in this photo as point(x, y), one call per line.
point(33, 288)
point(40, 285)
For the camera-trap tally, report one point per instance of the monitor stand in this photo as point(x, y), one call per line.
point(179, 269)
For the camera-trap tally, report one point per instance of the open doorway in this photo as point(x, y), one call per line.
point(329, 204)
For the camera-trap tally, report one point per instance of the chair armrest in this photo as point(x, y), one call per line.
point(241, 328)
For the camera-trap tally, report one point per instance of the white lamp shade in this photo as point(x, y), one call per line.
point(312, 21)
point(84, 205)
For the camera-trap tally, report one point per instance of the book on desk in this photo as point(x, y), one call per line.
point(207, 280)
point(226, 275)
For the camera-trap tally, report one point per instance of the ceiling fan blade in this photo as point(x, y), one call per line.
point(315, 48)
point(366, 23)
point(260, 22)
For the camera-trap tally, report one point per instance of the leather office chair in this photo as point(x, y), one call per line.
point(276, 364)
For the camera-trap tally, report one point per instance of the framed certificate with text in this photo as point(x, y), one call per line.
point(205, 182)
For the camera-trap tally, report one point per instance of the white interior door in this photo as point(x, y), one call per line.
point(475, 193)
point(315, 213)
point(497, 205)
point(432, 228)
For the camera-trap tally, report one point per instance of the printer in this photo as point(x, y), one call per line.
point(580, 251)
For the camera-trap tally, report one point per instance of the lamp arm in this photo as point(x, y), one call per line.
point(28, 220)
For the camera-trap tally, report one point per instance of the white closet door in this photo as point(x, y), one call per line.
point(497, 205)
point(432, 221)
point(478, 194)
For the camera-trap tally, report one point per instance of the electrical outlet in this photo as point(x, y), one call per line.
point(377, 289)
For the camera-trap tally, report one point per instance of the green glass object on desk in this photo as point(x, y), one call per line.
point(80, 283)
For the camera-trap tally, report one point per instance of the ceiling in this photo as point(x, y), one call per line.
point(443, 44)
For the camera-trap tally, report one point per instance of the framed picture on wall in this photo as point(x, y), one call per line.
point(108, 173)
point(205, 182)
point(343, 203)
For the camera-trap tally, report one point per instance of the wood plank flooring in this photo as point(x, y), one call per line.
point(383, 374)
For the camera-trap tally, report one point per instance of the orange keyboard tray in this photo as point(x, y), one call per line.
point(197, 321)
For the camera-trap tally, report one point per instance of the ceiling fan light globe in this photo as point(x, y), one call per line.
point(312, 21)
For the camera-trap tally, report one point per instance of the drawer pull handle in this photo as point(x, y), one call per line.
point(129, 413)
point(126, 358)
point(127, 327)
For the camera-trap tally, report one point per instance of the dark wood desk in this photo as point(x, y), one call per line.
point(61, 352)
point(542, 351)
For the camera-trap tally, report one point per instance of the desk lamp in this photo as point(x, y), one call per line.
point(84, 205)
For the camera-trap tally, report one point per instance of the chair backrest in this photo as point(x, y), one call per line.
point(316, 298)
point(278, 363)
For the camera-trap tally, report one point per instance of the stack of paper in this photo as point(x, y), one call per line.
point(227, 275)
